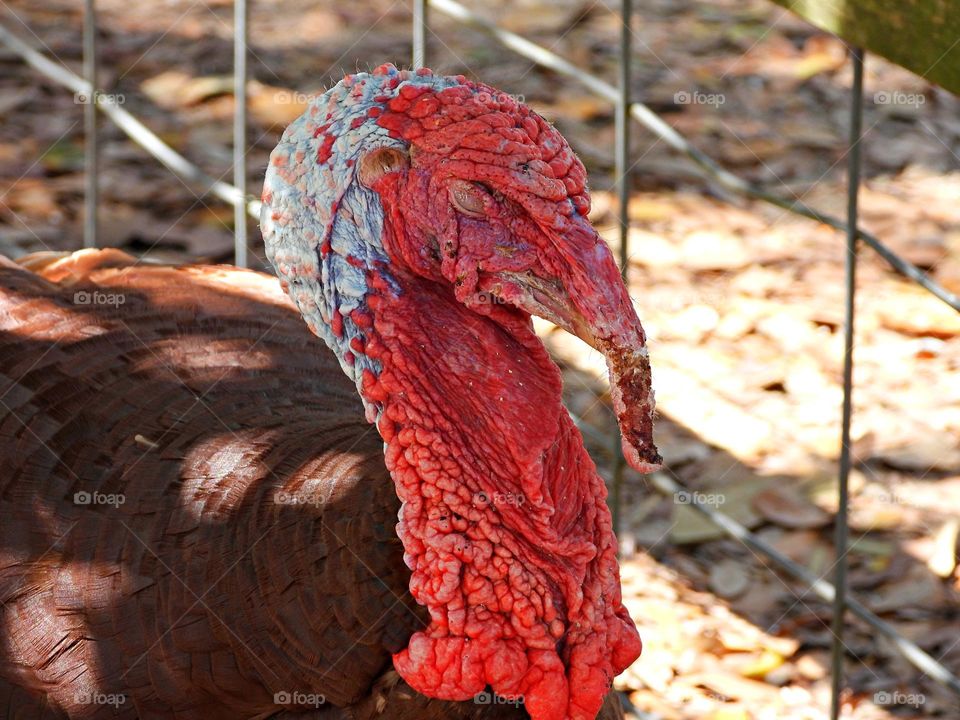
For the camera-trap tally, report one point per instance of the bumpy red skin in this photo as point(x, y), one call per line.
point(504, 521)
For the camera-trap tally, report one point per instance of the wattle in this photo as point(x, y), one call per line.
point(504, 522)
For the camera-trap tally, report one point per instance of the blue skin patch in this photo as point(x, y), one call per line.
point(316, 214)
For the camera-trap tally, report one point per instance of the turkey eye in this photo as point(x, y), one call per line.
point(468, 198)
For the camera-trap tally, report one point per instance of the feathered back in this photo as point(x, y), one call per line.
point(196, 519)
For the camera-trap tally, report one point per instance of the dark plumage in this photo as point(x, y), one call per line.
point(202, 399)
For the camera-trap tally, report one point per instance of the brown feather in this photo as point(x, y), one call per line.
point(202, 401)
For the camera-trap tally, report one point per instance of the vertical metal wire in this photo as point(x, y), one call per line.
point(842, 530)
point(621, 162)
point(91, 150)
point(240, 35)
point(419, 34)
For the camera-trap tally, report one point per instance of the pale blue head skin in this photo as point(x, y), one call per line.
point(316, 213)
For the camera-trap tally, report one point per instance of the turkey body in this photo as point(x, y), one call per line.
point(195, 517)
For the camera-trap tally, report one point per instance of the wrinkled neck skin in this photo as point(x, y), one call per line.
point(504, 521)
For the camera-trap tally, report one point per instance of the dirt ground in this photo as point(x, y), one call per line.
point(742, 301)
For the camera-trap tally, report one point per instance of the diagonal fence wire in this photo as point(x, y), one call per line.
point(131, 126)
point(659, 127)
point(667, 485)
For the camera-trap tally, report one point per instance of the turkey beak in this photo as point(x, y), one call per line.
point(587, 297)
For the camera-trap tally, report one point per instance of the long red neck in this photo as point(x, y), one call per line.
point(504, 520)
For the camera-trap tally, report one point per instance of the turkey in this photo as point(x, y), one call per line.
point(199, 518)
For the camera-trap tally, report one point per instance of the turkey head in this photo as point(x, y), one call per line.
point(418, 221)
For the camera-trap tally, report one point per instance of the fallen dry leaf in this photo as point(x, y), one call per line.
point(918, 589)
point(933, 452)
point(689, 525)
point(729, 579)
point(173, 89)
point(714, 250)
point(754, 665)
point(788, 508)
point(944, 558)
point(732, 685)
point(911, 311)
point(275, 105)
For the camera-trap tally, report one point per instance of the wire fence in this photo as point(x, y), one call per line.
point(627, 110)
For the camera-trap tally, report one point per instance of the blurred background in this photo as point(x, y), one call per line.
point(743, 301)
